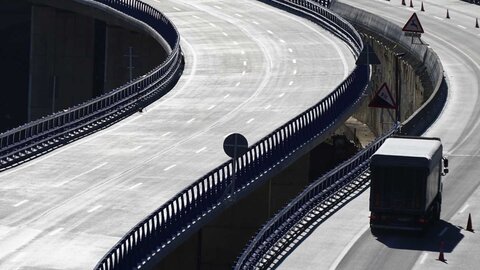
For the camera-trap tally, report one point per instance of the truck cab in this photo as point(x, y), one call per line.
point(406, 186)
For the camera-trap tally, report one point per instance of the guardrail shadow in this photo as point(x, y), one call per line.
point(431, 240)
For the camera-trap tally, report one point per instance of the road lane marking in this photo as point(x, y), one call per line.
point(424, 257)
point(270, 32)
point(136, 148)
point(235, 43)
point(52, 233)
point(243, 73)
point(463, 208)
point(177, 9)
point(350, 244)
point(255, 22)
point(295, 72)
point(166, 134)
point(461, 26)
point(225, 97)
point(438, 18)
point(290, 83)
point(250, 121)
point(170, 167)
point(281, 95)
point(238, 15)
point(20, 203)
point(201, 150)
point(282, 41)
point(190, 121)
point(290, 50)
point(294, 61)
point(225, 34)
point(80, 175)
point(242, 52)
point(237, 85)
point(212, 25)
point(443, 231)
point(268, 107)
point(217, 7)
point(211, 107)
point(94, 209)
point(135, 186)
point(195, 16)
point(244, 63)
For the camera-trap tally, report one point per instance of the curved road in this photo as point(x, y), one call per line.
point(249, 69)
point(350, 243)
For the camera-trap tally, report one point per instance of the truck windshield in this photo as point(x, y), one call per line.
point(398, 187)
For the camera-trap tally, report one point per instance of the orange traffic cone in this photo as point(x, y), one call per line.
point(448, 14)
point(441, 256)
point(403, 2)
point(476, 24)
point(411, 3)
point(469, 223)
point(423, 9)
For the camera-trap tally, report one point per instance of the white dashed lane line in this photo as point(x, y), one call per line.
point(290, 83)
point(20, 203)
point(295, 72)
point(52, 233)
point(238, 15)
point(244, 63)
point(177, 9)
point(255, 22)
point(250, 121)
point(225, 34)
point(135, 186)
point(170, 167)
point(94, 209)
point(268, 107)
point(282, 41)
point(438, 18)
point(217, 7)
point(190, 121)
point(237, 85)
point(463, 208)
point(294, 61)
point(201, 150)
point(290, 50)
point(212, 24)
point(225, 97)
point(443, 231)
point(270, 32)
point(461, 26)
point(166, 134)
point(281, 95)
point(211, 107)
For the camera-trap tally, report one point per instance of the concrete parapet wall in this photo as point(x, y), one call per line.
point(421, 72)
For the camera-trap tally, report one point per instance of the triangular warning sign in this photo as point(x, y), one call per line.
point(367, 56)
point(383, 99)
point(413, 25)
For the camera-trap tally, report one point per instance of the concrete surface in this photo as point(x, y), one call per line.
point(456, 42)
point(249, 69)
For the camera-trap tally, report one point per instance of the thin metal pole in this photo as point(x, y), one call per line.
point(54, 90)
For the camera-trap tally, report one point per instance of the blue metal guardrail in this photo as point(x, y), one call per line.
point(316, 193)
point(33, 138)
point(154, 236)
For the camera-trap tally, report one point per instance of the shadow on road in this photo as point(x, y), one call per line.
point(431, 240)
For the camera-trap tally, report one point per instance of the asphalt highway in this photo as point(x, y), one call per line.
point(344, 241)
point(249, 69)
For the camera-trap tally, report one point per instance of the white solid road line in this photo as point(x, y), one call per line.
point(461, 26)
point(170, 167)
point(135, 186)
point(424, 257)
point(94, 209)
point(250, 121)
point(20, 203)
point(201, 150)
point(463, 208)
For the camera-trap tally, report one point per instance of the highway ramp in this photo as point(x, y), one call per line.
point(344, 241)
point(249, 68)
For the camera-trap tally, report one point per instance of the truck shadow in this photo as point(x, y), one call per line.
point(430, 240)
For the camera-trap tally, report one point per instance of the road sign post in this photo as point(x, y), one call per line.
point(414, 28)
point(234, 145)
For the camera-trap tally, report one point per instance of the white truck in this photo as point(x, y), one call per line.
point(406, 186)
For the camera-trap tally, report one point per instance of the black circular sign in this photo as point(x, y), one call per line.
point(235, 145)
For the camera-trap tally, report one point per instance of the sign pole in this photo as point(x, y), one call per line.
point(235, 145)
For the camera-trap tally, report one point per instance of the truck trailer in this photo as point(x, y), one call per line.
point(406, 186)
